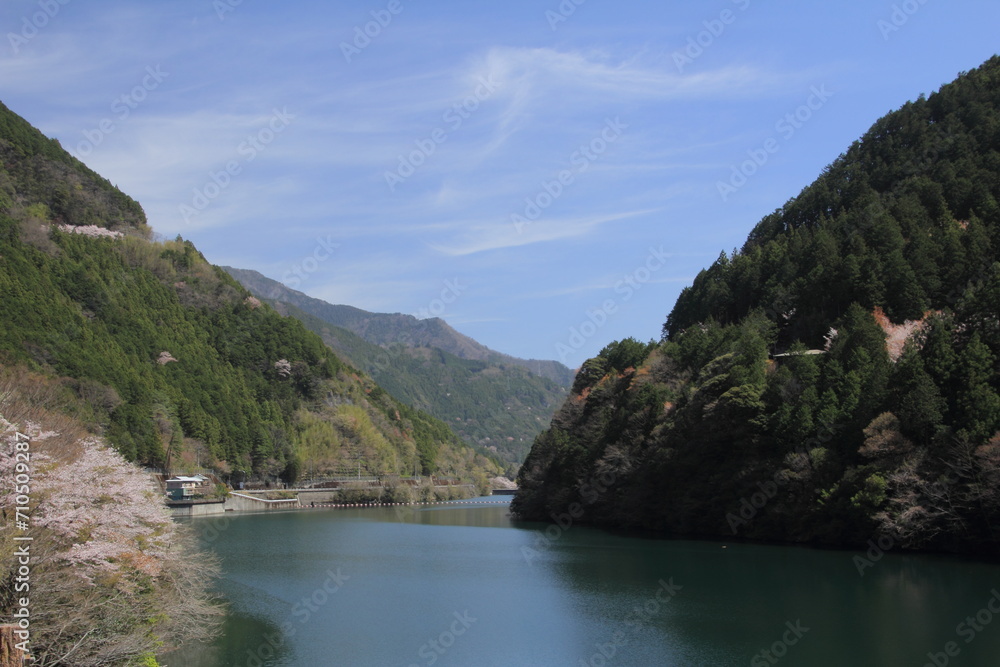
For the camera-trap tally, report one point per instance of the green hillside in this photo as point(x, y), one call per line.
point(392, 328)
point(833, 381)
point(175, 361)
point(38, 173)
point(490, 402)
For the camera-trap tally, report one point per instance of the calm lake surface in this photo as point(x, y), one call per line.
point(461, 584)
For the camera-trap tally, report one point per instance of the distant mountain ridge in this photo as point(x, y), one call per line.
point(487, 398)
point(167, 357)
point(390, 328)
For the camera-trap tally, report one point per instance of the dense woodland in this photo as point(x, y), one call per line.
point(834, 380)
point(117, 350)
point(385, 329)
point(176, 363)
point(499, 406)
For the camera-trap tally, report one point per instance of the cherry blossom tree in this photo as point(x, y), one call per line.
point(113, 577)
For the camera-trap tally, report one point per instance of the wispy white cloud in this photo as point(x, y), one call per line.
point(484, 237)
point(324, 176)
point(604, 284)
point(551, 72)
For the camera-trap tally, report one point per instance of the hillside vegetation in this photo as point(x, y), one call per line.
point(391, 328)
point(498, 406)
point(176, 363)
point(112, 578)
point(833, 381)
point(117, 350)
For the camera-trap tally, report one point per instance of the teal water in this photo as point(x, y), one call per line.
point(462, 585)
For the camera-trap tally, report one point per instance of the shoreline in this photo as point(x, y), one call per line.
point(240, 503)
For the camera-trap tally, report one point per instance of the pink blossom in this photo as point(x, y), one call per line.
point(81, 503)
point(165, 358)
point(90, 230)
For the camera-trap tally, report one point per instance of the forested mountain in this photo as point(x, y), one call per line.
point(173, 359)
point(393, 328)
point(833, 381)
point(498, 405)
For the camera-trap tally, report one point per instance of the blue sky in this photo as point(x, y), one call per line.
point(545, 176)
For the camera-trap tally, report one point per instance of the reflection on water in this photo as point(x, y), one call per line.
point(245, 639)
point(463, 585)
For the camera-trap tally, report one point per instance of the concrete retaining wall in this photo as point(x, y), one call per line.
point(246, 502)
point(307, 496)
point(198, 509)
point(241, 502)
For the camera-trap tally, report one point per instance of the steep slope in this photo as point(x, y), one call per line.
point(40, 179)
point(389, 329)
point(773, 408)
point(500, 406)
point(98, 537)
point(174, 359)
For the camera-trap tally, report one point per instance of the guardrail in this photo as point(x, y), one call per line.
point(264, 500)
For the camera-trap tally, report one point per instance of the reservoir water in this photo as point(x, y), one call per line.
point(461, 584)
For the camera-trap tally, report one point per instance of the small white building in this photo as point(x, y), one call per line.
point(182, 486)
